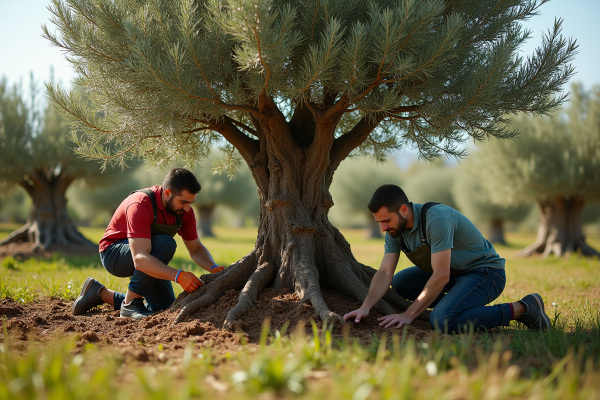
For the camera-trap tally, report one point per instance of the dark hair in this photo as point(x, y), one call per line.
point(388, 196)
point(180, 179)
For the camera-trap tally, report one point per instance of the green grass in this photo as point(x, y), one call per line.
point(512, 362)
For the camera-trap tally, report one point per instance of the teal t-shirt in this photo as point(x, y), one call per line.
point(448, 229)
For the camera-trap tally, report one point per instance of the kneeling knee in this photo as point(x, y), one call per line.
point(163, 247)
point(441, 321)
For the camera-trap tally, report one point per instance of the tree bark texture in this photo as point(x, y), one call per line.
point(49, 221)
point(296, 246)
point(560, 230)
point(497, 231)
point(205, 220)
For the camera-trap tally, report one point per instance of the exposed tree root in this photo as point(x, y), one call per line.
point(259, 279)
point(233, 277)
point(20, 235)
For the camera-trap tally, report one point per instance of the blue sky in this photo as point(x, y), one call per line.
point(22, 49)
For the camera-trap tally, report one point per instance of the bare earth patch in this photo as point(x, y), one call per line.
point(25, 250)
point(48, 319)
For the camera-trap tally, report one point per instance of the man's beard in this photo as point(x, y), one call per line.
point(395, 232)
point(171, 210)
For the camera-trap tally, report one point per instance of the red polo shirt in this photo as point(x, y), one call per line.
point(133, 219)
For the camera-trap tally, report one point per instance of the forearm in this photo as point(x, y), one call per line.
point(379, 286)
point(152, 266)
point(203, 258)
point(432, 290)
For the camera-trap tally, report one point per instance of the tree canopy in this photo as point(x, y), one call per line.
point(432, 182)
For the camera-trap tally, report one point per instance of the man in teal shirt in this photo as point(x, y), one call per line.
point(457, 271)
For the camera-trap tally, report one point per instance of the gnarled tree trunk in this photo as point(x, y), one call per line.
point(296, 247)
point(205, 220)
point(49, 221)
point(497, 231)
point(560, 229)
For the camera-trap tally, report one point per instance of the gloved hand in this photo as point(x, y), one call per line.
point(188, 281)
point(216, 268)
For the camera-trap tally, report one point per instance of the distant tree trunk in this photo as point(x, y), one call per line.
point(560, 229)
point(296, 246)
point(374, 229)
point(497, 231)
point(48, 222)
point(205, 221)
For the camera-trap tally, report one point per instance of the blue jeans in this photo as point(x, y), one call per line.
point(462, 301)
point(118, 261)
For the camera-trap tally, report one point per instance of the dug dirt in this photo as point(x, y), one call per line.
point(47, 319)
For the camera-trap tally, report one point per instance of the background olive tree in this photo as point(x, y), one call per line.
point(36, 154)
point(295, 87)
point(431, 182)
point(554, 163)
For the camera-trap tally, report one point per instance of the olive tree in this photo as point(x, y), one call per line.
point(296, 87)
point(554, 163)
point(36, 154)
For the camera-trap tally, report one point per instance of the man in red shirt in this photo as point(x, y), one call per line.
point(138, 243)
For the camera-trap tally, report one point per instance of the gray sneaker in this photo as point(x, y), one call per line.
point(135, 309)
point(88, 298)
point(534, 317)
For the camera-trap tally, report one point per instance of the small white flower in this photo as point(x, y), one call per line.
point(431, 368)
point(555, 305)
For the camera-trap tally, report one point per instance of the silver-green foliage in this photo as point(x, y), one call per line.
point(162, 74)
point(557, 156)
point(476, 203)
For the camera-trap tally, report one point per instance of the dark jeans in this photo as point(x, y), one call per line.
point(462, 301)
point(118, 261)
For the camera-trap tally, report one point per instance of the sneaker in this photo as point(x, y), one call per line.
point(88, 298)
point(534, 317)
point(135, 309)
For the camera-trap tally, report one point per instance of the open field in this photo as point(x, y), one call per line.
point(511, 362)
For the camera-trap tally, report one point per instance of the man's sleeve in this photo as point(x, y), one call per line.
point(440, 233)
point(139, 218)
point(188, 229)
point(391, 245)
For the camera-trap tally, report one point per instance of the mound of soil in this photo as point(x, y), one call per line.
point(48, 319)
point(25, 250)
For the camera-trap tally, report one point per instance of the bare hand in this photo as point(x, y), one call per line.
point(395, 319)
point(189, 282)
point(217, 269)
point(357, 314)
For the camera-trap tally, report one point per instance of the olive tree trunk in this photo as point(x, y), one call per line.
point(296, 247)
point(205, 220)
point(48, 222)
point(560, 230)
point(497, 231)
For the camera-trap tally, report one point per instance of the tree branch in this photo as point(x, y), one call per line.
point(247, 146)
point(344, 145)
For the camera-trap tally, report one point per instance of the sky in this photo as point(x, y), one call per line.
point(23, 50)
